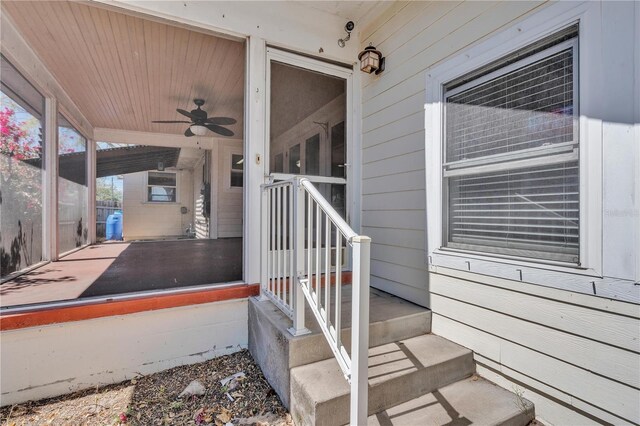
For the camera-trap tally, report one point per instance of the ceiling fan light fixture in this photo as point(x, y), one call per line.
point(198, 130)
point(199, 122)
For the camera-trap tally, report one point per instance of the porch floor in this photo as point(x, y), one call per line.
point(116, 268)
point(382, 307)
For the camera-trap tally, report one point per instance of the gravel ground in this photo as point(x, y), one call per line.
point(154, 400)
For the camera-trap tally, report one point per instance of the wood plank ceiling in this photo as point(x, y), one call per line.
point(124, 71)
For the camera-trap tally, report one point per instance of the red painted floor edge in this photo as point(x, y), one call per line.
point(105, 309)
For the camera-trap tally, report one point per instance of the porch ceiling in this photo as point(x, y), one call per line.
point(124, 71)
point(358, 11)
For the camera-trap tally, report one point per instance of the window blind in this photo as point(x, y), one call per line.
point(526, 108)
point(511, 158)
point(531, 212)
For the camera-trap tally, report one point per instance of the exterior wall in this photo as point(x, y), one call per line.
point(229, 199)
point(142, 219)
point(413, 36)
point(46, 361)
point(574, 355)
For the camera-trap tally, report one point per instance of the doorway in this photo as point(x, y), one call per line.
point(308, 125)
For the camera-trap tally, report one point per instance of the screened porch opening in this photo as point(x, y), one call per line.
point(138, 188)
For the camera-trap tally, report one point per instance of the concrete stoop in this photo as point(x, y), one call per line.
point(398, 372)
point(425, 380)
point(415, 378)
point(276, 351)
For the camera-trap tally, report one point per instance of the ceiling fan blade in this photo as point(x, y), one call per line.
point(221, 120)
point(218, 129)
point(186, 114)
point(170, 121)
point(188, 132)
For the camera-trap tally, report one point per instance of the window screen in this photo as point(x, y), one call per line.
point(511, 157)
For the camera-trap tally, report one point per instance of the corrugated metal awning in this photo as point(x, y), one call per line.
point(115, 161)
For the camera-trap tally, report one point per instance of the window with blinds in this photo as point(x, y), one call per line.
point(511, 155)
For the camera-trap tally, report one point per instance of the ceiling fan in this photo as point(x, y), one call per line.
point(200, 122)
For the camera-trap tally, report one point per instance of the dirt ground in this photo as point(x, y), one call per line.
point(154, 400)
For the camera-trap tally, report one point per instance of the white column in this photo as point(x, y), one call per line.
point(354, 151)
point(254, 153)
point(50, 181)
point(214, 178)
point(92, 168)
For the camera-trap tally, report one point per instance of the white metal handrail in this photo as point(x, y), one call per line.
point(302, 249)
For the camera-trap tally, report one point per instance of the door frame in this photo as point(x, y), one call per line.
point(352, 181)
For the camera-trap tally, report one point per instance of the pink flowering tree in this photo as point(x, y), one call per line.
point(20, 190)
point(18, 175)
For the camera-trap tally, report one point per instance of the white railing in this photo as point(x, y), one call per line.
point(302, 258)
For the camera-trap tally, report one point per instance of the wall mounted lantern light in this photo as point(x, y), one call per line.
point(371, 60)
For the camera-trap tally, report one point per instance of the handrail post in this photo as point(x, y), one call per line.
point(298, 259)
point(264, 241)
point(360, 330)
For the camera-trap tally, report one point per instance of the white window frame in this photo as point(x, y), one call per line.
point(147, 185)
point(548, 21)
point(90, 164)
point(227, 156)
point(517, 160)
point(233, 171)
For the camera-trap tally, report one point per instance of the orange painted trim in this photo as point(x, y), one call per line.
point(346, 279)
point(124, 307)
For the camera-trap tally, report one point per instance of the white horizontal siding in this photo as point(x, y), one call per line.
point(408, 238)
point(390, 165)
point(403, 219)
point(404, 145)
point(412, 123)
point(413, 36)
point(401, 181)
point(583, 353)
point(393, 112)
point(410, 200)
point(400, 256)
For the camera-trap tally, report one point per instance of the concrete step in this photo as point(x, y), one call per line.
point(398, 372)
point(469, 401)
point(277, 351)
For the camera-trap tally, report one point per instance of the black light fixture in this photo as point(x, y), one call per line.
point(371, 60)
